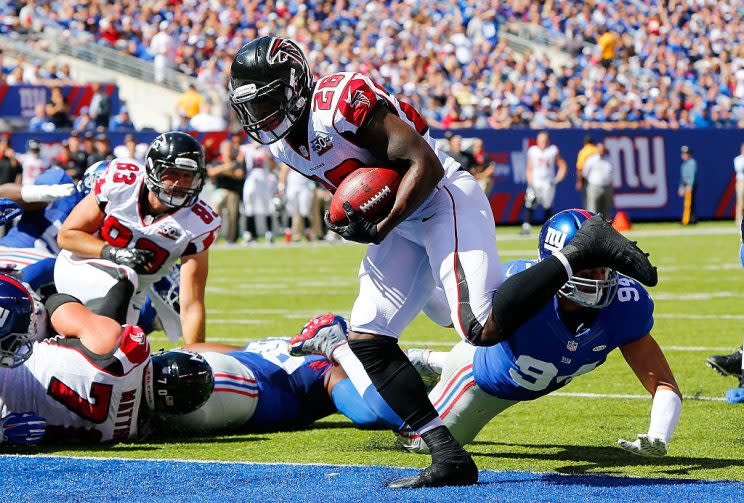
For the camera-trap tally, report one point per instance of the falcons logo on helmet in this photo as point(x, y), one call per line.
point(282, 50)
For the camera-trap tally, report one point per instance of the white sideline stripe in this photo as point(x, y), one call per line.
point(675, 316)
point(633, 397)
point(697, 295)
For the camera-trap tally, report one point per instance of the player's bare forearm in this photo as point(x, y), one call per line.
point(562, 169)
point(193, 319)
point(12, 191)
point(193, 283)
point(80, 243)
point(415, 187)
point(397, 144)
point(647, 360)
point(77, 233)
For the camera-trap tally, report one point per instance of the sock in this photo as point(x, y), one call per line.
point(530, 213)
point(268, 224)
point(350, 404)
point(344, 356)
point(250, 225)
point(147, 316)
point(395, 379)
point(521, 296)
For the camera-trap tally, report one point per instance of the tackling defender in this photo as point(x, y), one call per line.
point(595, 312)
point(440, 231)
point(134, 226)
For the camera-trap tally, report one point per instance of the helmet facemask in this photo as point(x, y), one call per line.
point(16, 345)
point(170, 194)
point(268, 113)
point(594, 293)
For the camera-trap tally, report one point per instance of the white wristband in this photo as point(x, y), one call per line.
point(664, 414)
point(565, 263)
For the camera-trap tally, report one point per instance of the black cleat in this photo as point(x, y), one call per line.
point(727, 365)
point(439, 474)
point(598, 244)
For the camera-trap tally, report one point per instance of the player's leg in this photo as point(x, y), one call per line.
point(530, 201)
point(369, 412)
point(463, 407)
point(460, 241)
point(395, 283)
point(104, 287)
point(547, 197)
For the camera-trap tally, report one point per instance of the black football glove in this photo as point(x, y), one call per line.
point(136, 259)
point(358, 228)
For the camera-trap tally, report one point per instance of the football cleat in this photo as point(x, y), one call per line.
point(645, 446)
point(320, 336)
point(440, 474)
point(598, 244)
point(727, 365)
point(429, 373)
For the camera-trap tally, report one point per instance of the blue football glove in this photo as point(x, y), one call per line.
point(9, 210)
point(22, 428)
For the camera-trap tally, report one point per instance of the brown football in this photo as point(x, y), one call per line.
point(370, 191)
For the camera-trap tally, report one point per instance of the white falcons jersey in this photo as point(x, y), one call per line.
point(183, 232)
point(83, 396)
point(339, 105)
point(256, 157)
point(543, 162)
point(232, 403)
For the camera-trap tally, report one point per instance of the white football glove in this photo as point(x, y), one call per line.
point(645, 446)
point(46, 193)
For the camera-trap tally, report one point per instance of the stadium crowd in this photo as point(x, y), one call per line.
point(676, 64)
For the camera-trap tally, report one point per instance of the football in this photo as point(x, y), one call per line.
point(370, 191)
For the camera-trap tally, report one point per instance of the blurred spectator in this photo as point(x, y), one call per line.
point(65, 161)
point(84, 122)
point(100, 106)
point(130, 149)
point(598, 174)
point(588, 150)
point(15, 77)
point(190, 102)
point(102, 150)
point(78, 155)
point(688, 185)
point(481, 167)
point(121, 121)
point(607, 45)
point(163, 47)
point(58, 110)
point(206, 121)
point(89, 144)
point(258, 190)
point(10, 168)
point(31, 162)
point(541, 178)
point(40, 121)
point(298, 192)
point(227, 174)
point(739, 170)
point(34, 75)
point(181, 122)
point(454, 149)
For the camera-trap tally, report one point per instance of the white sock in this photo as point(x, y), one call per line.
point(430, 425)
point(345, 357)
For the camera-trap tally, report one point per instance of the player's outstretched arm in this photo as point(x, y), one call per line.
point(562, 169)
point(648, 362)
point(394, 142)
point(77, 233)
point(194, 270)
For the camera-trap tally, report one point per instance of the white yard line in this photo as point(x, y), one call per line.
point(631, 397)
point(676, 316)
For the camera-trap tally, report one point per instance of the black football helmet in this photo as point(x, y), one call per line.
point(180, 381)
point(175, 150)
point(270, 86)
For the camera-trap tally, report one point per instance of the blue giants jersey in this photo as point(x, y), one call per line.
point(544, 354)
point(38, 229)
point(291, 389)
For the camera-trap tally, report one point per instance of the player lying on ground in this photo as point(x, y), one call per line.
point(134, 226)
point(261, 387)
point(96, 380)
point(439, 232)
point(595, 312)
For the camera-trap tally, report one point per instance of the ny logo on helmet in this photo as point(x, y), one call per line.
point(554, 240)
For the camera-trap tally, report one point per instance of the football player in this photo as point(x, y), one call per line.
point(440, 231)
point(541, 178)
point(134, 226)
point(90, 381)
point(596, 311)
point(31, 244)
point(261, 387)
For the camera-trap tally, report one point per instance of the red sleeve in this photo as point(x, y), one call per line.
point(358, 98)
point(134, 345)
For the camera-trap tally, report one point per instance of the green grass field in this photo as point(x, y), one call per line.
point(271, 291)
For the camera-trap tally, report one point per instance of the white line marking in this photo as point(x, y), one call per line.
point(675, 316)
point(697, 296)
point(632, 397)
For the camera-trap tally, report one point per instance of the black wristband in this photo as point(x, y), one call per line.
point(57, 300)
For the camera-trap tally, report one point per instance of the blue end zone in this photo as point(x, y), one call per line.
point(36, 478)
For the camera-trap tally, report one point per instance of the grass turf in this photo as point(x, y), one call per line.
point(271, 291)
